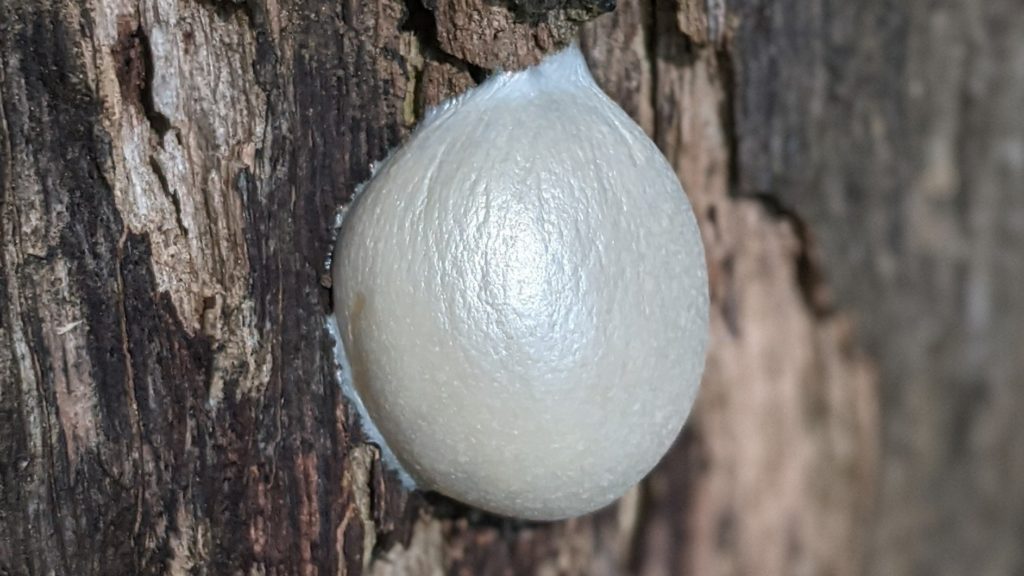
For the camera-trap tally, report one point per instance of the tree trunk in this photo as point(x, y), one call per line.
point(170, 171)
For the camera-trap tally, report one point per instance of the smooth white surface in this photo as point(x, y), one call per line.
point(522, 297)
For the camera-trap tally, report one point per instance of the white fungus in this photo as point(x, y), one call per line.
point(522, 297)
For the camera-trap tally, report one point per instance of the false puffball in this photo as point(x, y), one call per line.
point(522, 297)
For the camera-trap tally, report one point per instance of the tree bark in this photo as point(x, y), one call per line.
point(170, 171)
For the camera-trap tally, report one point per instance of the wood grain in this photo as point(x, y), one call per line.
point(170, 171)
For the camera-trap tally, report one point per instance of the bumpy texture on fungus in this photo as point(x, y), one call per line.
point(522, 297)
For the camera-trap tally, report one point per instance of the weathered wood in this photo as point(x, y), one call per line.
point(169, 175)
point(171, 170)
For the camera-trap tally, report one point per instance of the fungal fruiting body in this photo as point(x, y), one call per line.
point(522, 297)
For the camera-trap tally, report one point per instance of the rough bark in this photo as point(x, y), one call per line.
point(169, 175)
